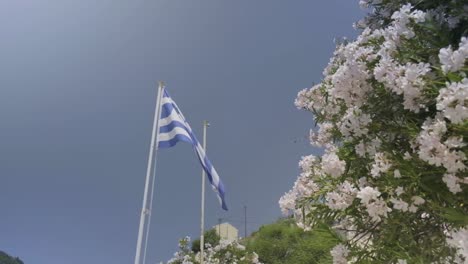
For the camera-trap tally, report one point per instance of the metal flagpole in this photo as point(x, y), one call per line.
point(245, 221)
point(202, 236)
point(145, 211)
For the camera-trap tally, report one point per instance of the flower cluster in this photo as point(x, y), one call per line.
point(392, 111)
point(339, 254)
point(225, 252)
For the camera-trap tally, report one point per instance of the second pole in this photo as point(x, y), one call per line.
point(202, 235)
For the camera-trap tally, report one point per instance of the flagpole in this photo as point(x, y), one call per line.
point(202, 236)
point(145, 211)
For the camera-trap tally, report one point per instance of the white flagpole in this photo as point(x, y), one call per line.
point(145, 210)
point(202, 236)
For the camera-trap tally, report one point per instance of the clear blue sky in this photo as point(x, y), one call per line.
point(77, 92)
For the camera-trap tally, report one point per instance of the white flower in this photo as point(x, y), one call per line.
point(368, 194)
point(453, 61)
point(401, 261)
point(396, 173)
point(381, 165)
point(412, 84)
point(375, 206)
point(399, 204)
point(412, 208)
point(287, 202)
point(354, 123)
point(360, 149)
point(454, 142)
point(362, 182)
point(349, 82)
point(453, 161)
point(310, 98)
point(324, 135)
point(417, 200)
point(370, 148)
point(406, 156)
point(399, 191)
point(342, 198)
point(339, 254)
point(452, 183)
point(307, 162)
point(332, 165)
point(459, 240)
point(377, 209)
point(431, 149)
point(453, 101)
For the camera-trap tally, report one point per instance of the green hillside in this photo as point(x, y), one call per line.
point(7, 259)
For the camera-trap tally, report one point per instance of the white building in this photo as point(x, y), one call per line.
point(226, 231)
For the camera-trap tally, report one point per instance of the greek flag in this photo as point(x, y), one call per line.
point(174, 128)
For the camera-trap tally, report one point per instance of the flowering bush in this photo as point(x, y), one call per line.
point(392, 111)
point(226, 252)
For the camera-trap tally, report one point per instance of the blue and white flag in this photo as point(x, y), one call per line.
point(174, 128)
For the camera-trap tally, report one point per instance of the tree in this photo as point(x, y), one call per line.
point(284, 242)
point(392, 111)
point(211, 238)
point(6, 259)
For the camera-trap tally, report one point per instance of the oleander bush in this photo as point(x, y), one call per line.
point(392, 117)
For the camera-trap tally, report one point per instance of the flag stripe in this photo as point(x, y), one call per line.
point(174, 132)
point(173, 124)
point(168, 119)
point(173, 141)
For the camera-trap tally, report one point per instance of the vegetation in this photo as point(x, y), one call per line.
point(392, 111)
point(7, 259)
point(284, 242)
point(276, 243)
point(211, 238)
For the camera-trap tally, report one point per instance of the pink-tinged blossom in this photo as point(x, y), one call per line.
point(354, 123)
point(310, 98)
point(368, 194)
point(342, 198)
point(368, 147)
point(452, 183)
point(332, 165)
point(413, 208)
point(453, 101)
point(339, 254)
point(303, 187)
point(434, 152)
point(324, 135)
point(307, 162)
point(396, 173)
point(454, 142)
point(287, 202)
point(375, 206)
point(453, 61)
point(407, 80)
point(399, 204)
point(431, 149)
point(459, 240)
point(362, 182)
point(377, 210)
point(417, 200)
point(412, 84)
point(399, 191)
point(350, 81)
point(381, 165)
point(453, 161)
